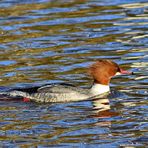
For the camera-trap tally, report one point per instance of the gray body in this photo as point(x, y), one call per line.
point(54, 93)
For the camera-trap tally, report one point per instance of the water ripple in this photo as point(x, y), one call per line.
point(48, 41)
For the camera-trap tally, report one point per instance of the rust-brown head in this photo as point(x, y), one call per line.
point(103, 70)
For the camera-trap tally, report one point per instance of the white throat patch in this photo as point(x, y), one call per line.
point(99, 89)
point(117, 74)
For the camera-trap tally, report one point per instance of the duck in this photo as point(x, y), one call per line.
point(101, 71)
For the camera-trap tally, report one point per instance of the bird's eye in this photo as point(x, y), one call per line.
point(118, 69)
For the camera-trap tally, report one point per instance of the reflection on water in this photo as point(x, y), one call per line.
point(101, 104)
point(47, 41)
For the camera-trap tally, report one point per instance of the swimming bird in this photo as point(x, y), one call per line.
point(101, 71)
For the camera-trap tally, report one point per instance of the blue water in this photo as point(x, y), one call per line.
point(54, 41)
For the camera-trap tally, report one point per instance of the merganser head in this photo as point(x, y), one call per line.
point(103, 70)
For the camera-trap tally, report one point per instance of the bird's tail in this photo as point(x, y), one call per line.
point(14, 95)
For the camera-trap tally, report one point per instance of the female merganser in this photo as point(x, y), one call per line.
point(102, 71)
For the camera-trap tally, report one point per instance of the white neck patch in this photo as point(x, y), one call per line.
point(117, 74)
point(99, 89)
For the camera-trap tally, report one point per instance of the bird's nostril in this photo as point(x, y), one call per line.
point(132, 73)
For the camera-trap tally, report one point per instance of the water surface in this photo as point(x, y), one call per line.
point(48, 41)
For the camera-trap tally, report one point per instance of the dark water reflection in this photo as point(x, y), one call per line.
point(54, 41)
